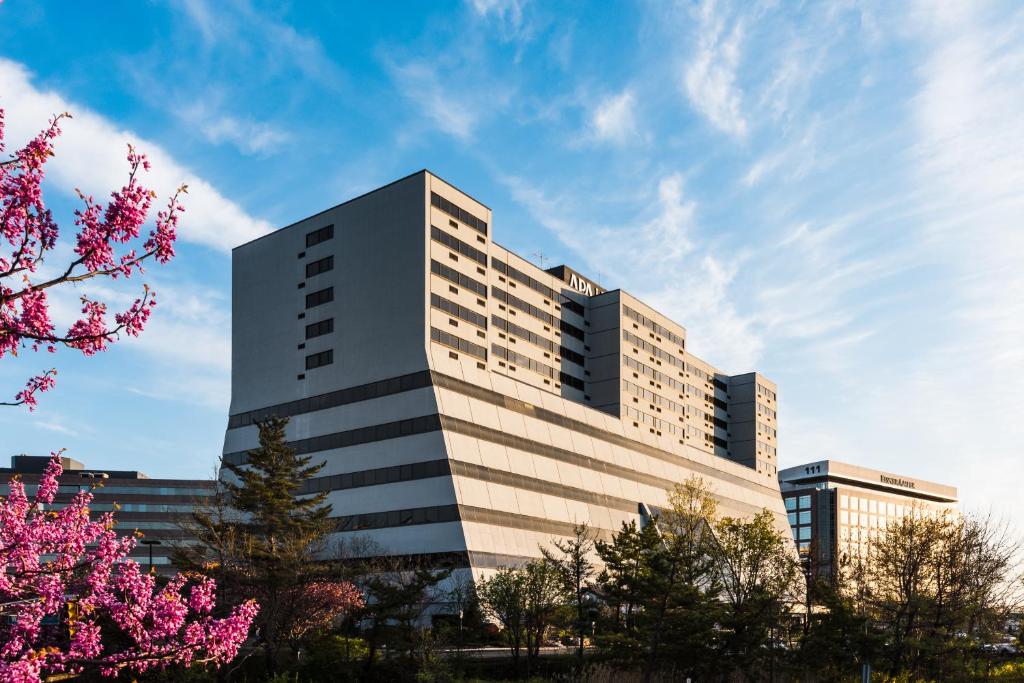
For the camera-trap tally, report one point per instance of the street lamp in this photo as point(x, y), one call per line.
point(150, 543)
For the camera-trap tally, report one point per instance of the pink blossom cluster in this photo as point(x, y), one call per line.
point(67, 564)
point(102, 249)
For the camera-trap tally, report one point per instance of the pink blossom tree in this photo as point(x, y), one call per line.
point(106, 246)
point(68, 592)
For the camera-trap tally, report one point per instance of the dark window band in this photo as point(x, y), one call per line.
point(354, 437)
point(318, 360)
point(319, 329)
point(455, 244)
point(441, 468)
point(461, 312)
point(538, 367)
point(537, 286)
point(441, 514)
point(321, 266)
point(426, 378)
point(458, 343)
point(458, 213)
point(317, 236)
point(458, 278)
point(537, 340)
point(333, 399)
point(323, 296)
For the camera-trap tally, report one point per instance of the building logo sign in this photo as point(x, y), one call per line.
point(897, 482)
point(581, 285)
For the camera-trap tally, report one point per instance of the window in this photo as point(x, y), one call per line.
point(458, 245)
point(321, 266)
point(458, 213)
point(321, 328)
point(458, 343)
point(805, 533)
point(317, 360)
point(805, 517)
point(792, 518)
point(317, 236)
point(844, 501)
point(791, 503)
point(844, 517)
point(805, 502)
point(440, 303)
point(458, 278)
point(321, 297)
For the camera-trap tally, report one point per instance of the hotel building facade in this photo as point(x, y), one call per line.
point(468, 404)
point(835, 509)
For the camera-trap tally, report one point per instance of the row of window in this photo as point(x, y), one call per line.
point(99, 489)
point(765, 430)
point(455, 244)
point(354, 437)
point(333, 399)
point(765, 392)
point(458, 278)
point(319, 298)
point(459, 311)
point(766, 449)
point(458, 213)
point(653, 326)
point(653, 350)
point(798, 502)
point(539, 314)
point(317, 236)
point(540, 368)
point(648, 371)
point(765, 411)
point(380, 475)
point(320, 328)
point(537, 340)
point(638, 416)
point(651, 397)
point(381, 520)
point(537, 286)
point(317, 360)
point(458, 343)
point(321, 266)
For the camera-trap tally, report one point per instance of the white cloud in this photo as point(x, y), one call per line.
point(509, 15)
point(709, 79)
point(247, 135)
point(420, 83)
point(90, 155)
point(614, 119)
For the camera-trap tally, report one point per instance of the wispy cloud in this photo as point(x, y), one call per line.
point(710, 76)
point(614, 119)
point(420, 83)
point(246, 134)
point(508, 15)
point(90, 155)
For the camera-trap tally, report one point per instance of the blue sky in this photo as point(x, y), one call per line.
point(832, 194)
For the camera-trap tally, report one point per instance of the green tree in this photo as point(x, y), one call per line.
point(575, 567)
point(760, 585)
point(503, 598)
point(262, 535)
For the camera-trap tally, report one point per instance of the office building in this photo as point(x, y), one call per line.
point(153, 507)
point(835, 508)
point(468, 404)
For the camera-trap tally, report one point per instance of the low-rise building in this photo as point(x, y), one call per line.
point(153, 507)
point(836, 508)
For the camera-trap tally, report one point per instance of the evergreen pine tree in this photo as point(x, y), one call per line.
point(262, 536)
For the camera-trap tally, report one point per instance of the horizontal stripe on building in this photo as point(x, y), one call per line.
point(501, 400)
point(441, 468)
point(444, 514)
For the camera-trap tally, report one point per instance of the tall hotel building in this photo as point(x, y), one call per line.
point(469, 405)
point(835, 509)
